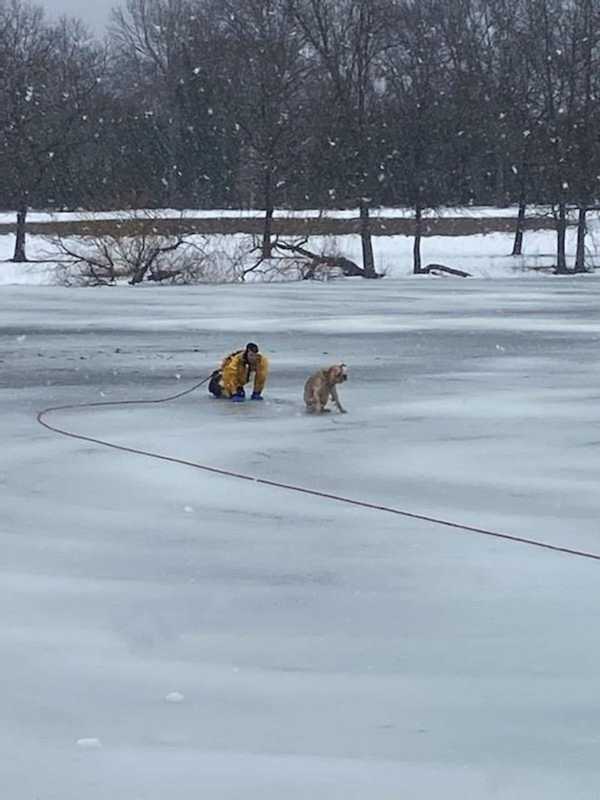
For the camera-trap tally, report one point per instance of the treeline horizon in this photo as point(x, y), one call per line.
point(302, 104)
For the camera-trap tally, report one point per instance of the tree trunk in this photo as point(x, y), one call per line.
point(267, 245)
point(19, 255)
point(581, 231)
point(500, 183)
point(518, 241)
point(365, 238)
point(561, 235)
point(417, 240)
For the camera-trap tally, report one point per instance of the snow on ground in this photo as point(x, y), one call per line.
point(481, 255)
point(170, 633)
point(35, 274)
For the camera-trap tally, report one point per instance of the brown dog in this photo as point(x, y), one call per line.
point(321, 386)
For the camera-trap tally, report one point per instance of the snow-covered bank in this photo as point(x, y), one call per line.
point(483, 256)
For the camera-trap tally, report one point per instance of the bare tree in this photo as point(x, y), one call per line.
point(586, 144)
point(266, 68)
point(566, 62)
point(48, 74)
point(348, 39)
point(417, 104)
point(502, 46)
point(170, 59)
point(133, 250)
point(148, 45)
point(25, 46)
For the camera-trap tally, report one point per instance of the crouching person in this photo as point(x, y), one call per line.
point(237, 369)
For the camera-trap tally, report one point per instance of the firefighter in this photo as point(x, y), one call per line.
point(237, 369)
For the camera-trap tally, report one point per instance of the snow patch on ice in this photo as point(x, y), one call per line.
point(175, 697)
point(89, 743)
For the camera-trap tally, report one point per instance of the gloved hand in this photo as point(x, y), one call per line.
point(256, 396)
point(239, 396)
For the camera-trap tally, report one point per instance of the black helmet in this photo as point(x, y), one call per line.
point(251, 347)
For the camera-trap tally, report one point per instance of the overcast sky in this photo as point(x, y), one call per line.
point(94, 13)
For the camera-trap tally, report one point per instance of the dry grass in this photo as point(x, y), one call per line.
point(381, 226)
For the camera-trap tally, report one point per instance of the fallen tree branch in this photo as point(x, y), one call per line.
point(434, 269)
point(348, 267)
point(163, 274)
point(254, 266)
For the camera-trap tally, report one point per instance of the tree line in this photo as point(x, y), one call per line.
point(305, 103)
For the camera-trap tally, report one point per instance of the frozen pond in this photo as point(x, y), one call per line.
point(171, 633)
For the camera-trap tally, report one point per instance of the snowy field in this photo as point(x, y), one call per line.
point(168, 633)
point(481, 255)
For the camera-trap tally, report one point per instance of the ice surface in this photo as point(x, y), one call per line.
point(323, 651)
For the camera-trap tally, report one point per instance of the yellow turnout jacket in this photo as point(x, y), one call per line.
point(235, 372)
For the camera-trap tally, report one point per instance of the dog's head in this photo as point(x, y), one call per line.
point(337, 374)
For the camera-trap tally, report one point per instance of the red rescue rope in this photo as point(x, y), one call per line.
point(279, 485)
